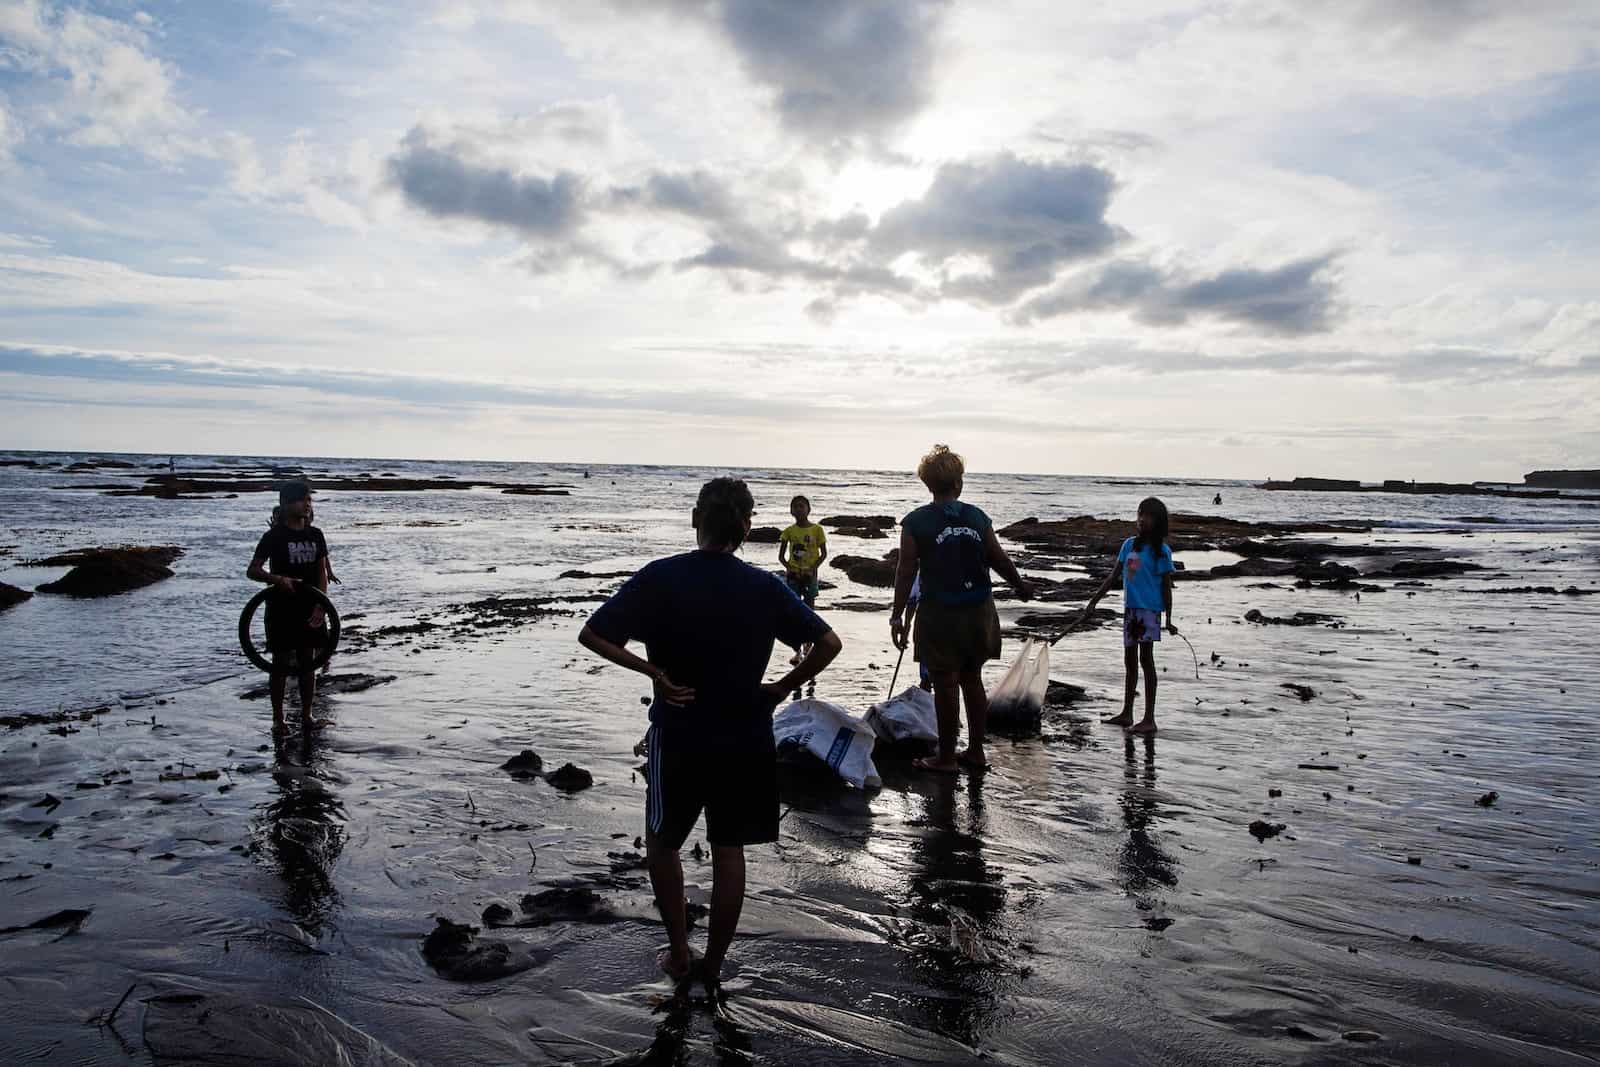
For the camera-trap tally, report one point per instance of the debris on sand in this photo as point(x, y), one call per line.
point(525, 764)
point(45, 718)
point(1320, 767)
point(1261, 829)
point(329, 684)
point(1304, 692)
point(67, 920)
point(623, 862)
point(1487, 800)
point(453, 950)
point(11, 596)
point(1299, 618)
point(567, 903)
point(874, 572)
point(570, 778)
point(98, 572)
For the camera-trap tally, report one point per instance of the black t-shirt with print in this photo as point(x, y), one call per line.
point(296, 554)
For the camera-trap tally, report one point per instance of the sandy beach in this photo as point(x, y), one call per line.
point(1369, 837)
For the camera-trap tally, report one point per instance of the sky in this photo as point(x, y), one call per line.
point(1231, 238)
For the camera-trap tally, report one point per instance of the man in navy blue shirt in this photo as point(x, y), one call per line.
point(708, 621)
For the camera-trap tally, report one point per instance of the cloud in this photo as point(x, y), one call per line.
point(1028, 362)
point(1023, 218)
point(839, 68)
point(440, 182)
point(111, 91)
point(10, 133)
point(987, 231)
point(1298, 297)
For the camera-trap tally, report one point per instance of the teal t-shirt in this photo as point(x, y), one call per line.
point(1142, 572)
point(953, 564)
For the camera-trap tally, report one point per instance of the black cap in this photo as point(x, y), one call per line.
point(289, 492)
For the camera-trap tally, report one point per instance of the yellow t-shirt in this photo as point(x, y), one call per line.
point(805, 546)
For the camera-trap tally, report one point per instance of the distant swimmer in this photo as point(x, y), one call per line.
point(1217, 500)
point(708, 621)
point(951, 547)
point(1145, 563)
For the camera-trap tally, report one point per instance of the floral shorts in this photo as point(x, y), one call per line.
point(1140, 626)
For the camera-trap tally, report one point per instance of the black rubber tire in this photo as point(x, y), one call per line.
point(328, 647)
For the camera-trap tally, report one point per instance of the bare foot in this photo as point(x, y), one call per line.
point(1124, 720)
point(973, 761)
point(678, 969)
point(1145, 726)
point(930, 763)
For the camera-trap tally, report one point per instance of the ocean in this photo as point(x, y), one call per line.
point(1092, 899)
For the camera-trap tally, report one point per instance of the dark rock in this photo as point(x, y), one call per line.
point(1304, 692)
point(99, 572)
point(1425, 568)
point(453, 950)
point(882, 522)
point(596, 574)
point(1301, 1033)
point(525, 764)
point(529, 490)
point(1261, 830)
point(1274, 792)
point(1299, 618)
point(570, 778)
point(763, 535)
point(1361, 1035)
point(1575, 479)
point(874, 572)
point(11, 596)
point(329, 684)
point(498, 914)
point(1487, 800)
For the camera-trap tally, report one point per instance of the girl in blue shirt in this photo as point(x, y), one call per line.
point(1145, 564)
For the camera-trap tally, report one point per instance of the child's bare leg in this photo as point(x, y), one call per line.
point(1130, 687)
point(277, 682)
point(1147, 658)
point(308, 683)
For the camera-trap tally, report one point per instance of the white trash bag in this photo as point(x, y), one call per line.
point(907, 717)
point(1019, 696)
point(832, 735)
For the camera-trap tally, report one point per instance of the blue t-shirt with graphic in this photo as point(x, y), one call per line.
point(1142, 572)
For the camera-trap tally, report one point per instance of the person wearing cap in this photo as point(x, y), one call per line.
point(297, 555)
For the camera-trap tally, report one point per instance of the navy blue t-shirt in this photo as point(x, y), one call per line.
point(952, 551)
point(709, 620)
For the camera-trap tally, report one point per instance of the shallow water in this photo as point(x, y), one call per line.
point(1090, 900)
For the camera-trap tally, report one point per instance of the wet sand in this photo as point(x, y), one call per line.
point(1090, 900)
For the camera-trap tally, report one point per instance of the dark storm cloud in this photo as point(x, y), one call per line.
point(1297, 298)
point(442, 183)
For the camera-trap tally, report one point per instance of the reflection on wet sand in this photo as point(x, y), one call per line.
point(956, 900)
point(680, 1039)
point(301, 831)
point(1143, 867)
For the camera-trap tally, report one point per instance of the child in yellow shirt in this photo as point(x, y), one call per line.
point(801, 549)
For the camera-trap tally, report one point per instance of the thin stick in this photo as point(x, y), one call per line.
point(1192, 653)
point(112, 1014)
point(896, 677)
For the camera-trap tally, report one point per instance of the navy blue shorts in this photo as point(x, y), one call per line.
point(738, 791)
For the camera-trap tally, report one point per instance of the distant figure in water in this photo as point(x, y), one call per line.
point(708, 621)
point(1217, 500)
point(1145, 564)
point(297, 553)
point(950, 546)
